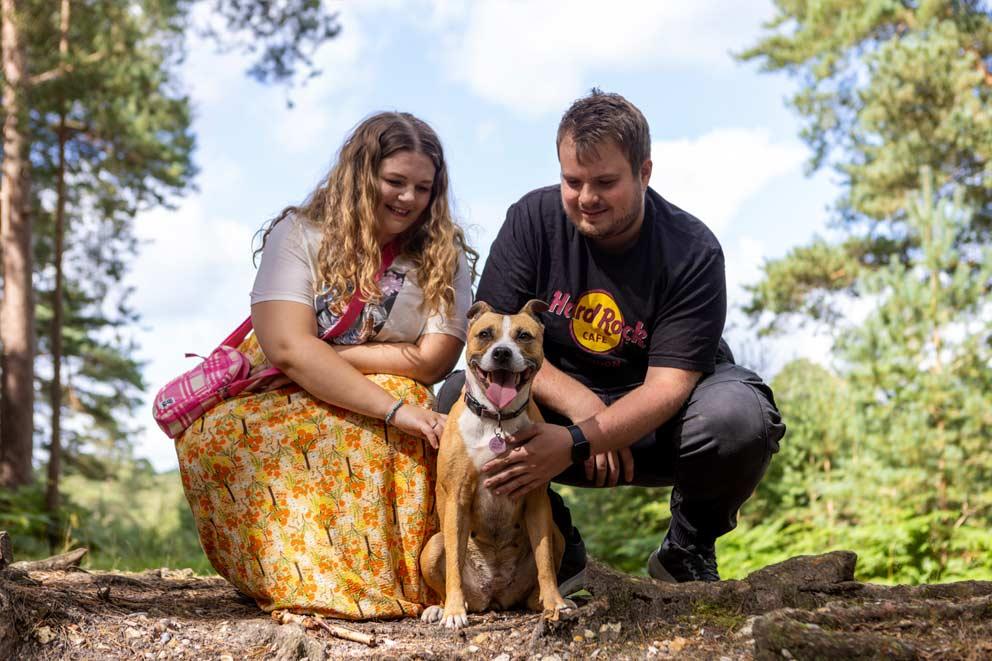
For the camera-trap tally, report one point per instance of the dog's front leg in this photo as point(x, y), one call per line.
point(455, 529)
point(540, 530)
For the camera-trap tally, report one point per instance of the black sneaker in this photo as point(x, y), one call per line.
point(572, 573)
point(679, 564)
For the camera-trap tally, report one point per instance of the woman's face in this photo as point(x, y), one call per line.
point(405, 181)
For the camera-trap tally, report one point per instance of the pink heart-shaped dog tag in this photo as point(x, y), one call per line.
point(497, 445)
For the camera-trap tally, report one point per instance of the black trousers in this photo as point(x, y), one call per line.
point(714, 451)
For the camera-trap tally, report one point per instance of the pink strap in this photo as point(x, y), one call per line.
point(356, 304)
point(239, 334)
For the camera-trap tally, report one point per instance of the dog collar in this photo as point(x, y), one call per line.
point(477, 408)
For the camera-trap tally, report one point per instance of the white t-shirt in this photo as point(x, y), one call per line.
point(288, 272)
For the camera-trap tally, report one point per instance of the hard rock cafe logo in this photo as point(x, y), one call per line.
point(597, 324)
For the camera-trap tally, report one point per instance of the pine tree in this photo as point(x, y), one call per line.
point(920, 372)
point(120, 127)
point(17, 306)
point(887, 87)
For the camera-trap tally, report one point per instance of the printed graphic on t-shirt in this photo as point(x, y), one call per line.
point(373, 317)
point(596, 322)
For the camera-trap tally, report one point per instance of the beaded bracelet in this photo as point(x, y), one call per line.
point(392, 411)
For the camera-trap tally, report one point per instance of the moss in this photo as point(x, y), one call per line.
point(715, 615)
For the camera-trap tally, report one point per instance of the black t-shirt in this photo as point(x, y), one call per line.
point(660, 303)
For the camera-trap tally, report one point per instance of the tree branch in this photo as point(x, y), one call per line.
point(61, 562)
point(64, 69)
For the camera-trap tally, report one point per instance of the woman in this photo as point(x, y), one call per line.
point(304, 497)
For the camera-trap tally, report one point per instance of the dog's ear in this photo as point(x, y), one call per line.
point(478, 309)
point(534, 307)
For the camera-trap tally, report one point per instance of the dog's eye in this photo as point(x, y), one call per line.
point(485, 334)
point(524, 336)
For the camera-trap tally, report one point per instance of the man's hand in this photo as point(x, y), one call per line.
point(607, 465)
point(538, 453)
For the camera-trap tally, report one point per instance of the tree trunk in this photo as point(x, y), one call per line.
point(17, 310)
point(55, 447)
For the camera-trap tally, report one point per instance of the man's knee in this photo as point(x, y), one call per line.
point(449, 392)
point(735, 420)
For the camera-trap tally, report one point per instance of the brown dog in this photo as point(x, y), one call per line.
point(492, 552)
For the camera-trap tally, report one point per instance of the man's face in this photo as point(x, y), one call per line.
point(602, 197)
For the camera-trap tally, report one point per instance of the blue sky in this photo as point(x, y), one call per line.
point(492, 78)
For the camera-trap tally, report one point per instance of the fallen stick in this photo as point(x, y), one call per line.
point(347, 634)
point(284, 617)
point(60, 562)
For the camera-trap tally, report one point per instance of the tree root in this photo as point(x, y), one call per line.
point(61, 562)
point(8, 629)
point(830, 632)
point(779, 635)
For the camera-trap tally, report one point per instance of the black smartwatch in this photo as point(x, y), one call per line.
point(580, 444)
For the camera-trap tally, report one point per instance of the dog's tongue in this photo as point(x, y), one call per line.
point(503, 387)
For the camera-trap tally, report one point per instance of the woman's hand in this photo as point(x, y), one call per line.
point(420, 422)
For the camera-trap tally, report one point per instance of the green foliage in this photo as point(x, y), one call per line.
point(137, 520)
point(286, 33)
point(620, 526)
point(920, 375)
point(133, 520)
point(887, 88)
point(22, 514)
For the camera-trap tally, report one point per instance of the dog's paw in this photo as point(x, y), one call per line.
point(552, 611)
point(431, 614)
point(455, 619)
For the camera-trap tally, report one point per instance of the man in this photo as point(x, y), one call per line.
point(637, 385)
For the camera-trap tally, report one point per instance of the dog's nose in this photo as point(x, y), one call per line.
point(502, 355)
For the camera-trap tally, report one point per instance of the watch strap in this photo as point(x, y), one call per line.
point(580, 444)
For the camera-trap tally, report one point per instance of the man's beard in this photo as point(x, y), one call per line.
point(614, 229)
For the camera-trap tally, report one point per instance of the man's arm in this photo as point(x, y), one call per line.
point(542, 451)
point(564, 394)
point(641, 411)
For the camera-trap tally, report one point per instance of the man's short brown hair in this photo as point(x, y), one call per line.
point(604, 116)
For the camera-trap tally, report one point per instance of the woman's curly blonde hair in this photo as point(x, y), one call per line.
point(344, 207)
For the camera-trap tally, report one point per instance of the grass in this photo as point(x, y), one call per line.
point(131, 521)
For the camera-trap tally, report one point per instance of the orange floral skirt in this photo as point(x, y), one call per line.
point(308, 507)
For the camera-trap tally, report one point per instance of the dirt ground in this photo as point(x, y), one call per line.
point(805, 608)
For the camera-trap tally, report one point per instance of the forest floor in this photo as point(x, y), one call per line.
point(805, 608)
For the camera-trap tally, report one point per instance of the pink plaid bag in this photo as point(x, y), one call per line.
point(221, 375)
point(226, 372)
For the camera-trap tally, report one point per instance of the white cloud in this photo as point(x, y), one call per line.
point(212, 74)
point(711, 176)
point(765, 355)
point(744, 261)
point(534, 56)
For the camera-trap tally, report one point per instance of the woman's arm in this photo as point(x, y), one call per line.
point(287, 333)
point(428, 361)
